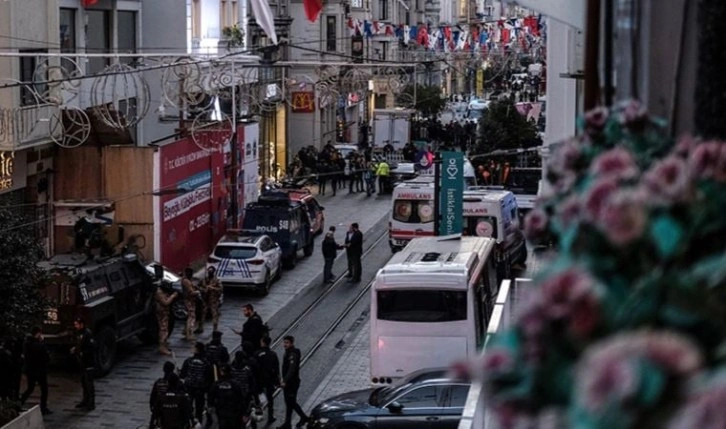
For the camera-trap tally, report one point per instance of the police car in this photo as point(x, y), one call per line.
point(247, 259)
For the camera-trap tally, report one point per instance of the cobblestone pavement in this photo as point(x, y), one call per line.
point(122, 396)
point(352, 370)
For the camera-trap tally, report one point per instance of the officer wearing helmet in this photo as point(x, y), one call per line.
point(164, 297)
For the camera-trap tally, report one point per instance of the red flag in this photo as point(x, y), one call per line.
point(87, 3)
point(312, 9)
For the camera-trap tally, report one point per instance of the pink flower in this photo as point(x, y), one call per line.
point(564, 183)
point(597, 198)
point(566, 157)
point(617, 163)
point(569, 211)
point(623, 218)
point(571, 296)
point(497, 360)
point(668, 181)
point(634, 116)
point(704, 159)
point(595, 120)
point(704, 407)
point(535, 224)
point(685, 145)
point(607, 374)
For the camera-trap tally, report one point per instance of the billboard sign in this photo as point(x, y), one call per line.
point(451, 193)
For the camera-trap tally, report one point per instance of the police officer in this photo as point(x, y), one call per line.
point(269, 374)
point(197, 375)
point(253, 328)
point(291, 382)
point(382, 171)
point(36, 368)
point(190, 302)
point(226, 398)
point(216, 353)
point(161, 386)
point(85, 352)
point(164, 297)
point(214, 295)
point(175, 407)
point(242, 373)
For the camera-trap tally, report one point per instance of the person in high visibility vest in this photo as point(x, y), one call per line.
point(382, 172)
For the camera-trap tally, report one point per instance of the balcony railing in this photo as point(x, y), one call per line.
point(475, 415)
point(29, 126)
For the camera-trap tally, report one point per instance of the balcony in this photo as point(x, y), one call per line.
point(29, 126)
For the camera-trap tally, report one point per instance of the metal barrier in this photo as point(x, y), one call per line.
point(475, 414)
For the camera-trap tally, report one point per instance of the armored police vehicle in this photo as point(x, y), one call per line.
point(113, 295)
point(286, 221)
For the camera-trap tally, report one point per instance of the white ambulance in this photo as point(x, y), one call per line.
point(487, 213)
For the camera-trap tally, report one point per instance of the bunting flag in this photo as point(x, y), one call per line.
point(87, 3)
point(312, 9)
point(264, 18)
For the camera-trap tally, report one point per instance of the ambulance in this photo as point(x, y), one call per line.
point(487, 212)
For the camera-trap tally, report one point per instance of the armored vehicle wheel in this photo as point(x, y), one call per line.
point(106, 352)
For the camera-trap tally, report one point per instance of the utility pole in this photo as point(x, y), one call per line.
point(592, 49)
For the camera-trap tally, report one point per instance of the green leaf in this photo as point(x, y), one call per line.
point(666, 233)
point(711, 271)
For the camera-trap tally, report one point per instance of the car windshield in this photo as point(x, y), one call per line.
point(235, 252)
point(385, 394)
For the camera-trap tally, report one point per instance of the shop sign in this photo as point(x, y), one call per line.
point(451, 192)
point(353, 99)
point(303, 102)
point(13, 171)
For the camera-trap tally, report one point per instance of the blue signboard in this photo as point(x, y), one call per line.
point(451, 193)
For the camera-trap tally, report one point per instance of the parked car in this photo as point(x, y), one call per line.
point(314, 210)
point(247, 259)
point(425, 399)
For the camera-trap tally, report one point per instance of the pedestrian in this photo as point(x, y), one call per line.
point(190, 302)
point(164, 298)
point(382, 172)
point(291, 383)
point(197, 375)
point(226, 398)
point(354, 252)
point(370, 179)
point(214, 295)
point(243, 375)
point(322, 176)
point(253, 329)
point(36, 368)
point(175, 406)
point(201, 306)
point(161, 386)
point(269, 375)
point(330, 251)
point(216, 353)
point(85, 353)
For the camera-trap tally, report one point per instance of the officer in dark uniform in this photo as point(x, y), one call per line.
point(215, 352)
point(175, 407)
point(291, 382)
point(242, 373)
point(268, 374)
point(253, 328)
point(161, 386)
point(226, 398)
point(85, 352)
point(197, 375)
point(36, 368)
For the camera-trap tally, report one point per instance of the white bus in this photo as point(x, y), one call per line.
point(430, 305)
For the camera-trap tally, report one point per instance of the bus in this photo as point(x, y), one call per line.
point(430, 305)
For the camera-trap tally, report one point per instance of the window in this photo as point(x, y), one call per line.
point(235, 252)
point(228, 13)
point(330, 35)
point(356, 4)
point(126, 34)
point(457, 397)
point(98, 38)
point(196, 19)
point(67, 24)
point(379, 101)
point(223, 14)
point(383, 10)
point(413, 211)
point(423, 397)
point(235, 13)
point(30, 94)
point(411, 305)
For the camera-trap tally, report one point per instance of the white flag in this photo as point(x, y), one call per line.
point(263, 15)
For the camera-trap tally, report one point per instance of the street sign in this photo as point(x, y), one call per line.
point(451, 193)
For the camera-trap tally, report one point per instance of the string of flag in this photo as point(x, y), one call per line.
point(490, 36)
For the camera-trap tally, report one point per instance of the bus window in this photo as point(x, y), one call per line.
point(413, 211)
point(421, 305)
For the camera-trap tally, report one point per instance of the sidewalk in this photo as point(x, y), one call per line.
point(351, 372)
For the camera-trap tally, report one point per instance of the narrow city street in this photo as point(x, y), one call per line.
point(122, 396)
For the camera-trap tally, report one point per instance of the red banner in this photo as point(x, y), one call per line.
point(191, 202)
